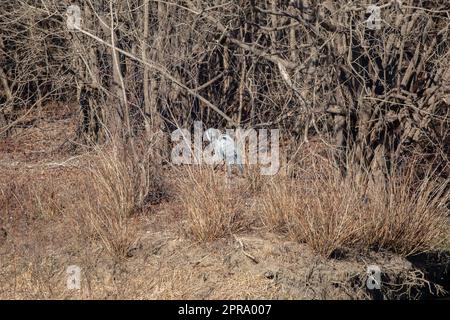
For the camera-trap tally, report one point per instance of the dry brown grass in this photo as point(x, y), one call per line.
point(407, 216)
point(120, 186)
point(330, 212)
point(34, 194)
point(279, 203)
point(254, 181)
point(214, 207)
point(90, 214)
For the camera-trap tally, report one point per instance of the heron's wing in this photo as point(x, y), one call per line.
point(218, 153)
point(230, 150)
point(238, 155)
point(211, 134)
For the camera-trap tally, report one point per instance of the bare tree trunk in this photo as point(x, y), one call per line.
point(85, 64)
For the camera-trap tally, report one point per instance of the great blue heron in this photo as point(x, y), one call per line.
point(225, 149)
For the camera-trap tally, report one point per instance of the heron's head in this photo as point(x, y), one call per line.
point(211, 134)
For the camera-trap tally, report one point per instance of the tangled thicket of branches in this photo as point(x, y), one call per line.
point(306, 66)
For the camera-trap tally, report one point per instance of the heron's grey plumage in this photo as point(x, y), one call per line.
point(225, 148)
